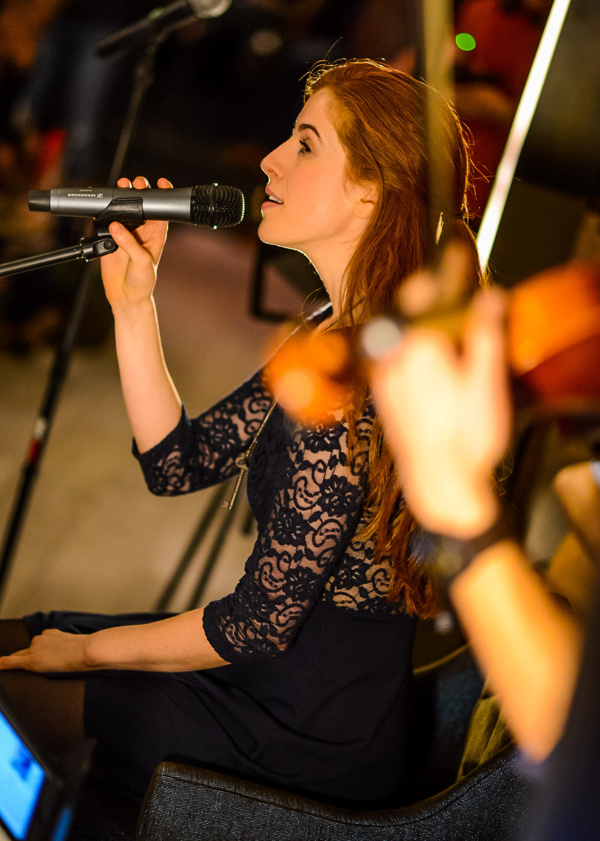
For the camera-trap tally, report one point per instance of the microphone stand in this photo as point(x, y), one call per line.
point(88, 248)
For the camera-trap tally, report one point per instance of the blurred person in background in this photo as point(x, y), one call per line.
point(527, 640)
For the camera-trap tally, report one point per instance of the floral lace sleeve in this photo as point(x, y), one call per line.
point(202, 452)
point(310, 518)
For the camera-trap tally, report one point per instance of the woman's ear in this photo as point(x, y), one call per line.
point(367, 200)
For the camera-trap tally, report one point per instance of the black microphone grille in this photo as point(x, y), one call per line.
point(217, 206)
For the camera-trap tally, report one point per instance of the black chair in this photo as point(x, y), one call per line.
point(185, 803)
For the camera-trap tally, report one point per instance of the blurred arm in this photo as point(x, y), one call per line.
point(447, 415)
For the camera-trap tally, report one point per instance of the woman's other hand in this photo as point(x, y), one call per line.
point(129, 274)
point(51, 651)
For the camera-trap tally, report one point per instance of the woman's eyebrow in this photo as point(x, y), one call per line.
point(309, 127)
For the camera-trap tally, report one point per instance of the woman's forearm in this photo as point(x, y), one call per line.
point(528, 645)
point(129, 277)
point(152, 402)
point(175, 644)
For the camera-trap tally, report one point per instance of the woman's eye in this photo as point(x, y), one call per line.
point(304, 147)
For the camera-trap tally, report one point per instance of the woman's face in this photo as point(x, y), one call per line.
point(312, 206)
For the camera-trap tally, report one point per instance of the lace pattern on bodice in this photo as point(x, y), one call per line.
point(307, 501)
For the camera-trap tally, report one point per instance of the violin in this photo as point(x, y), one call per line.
point(553, 349)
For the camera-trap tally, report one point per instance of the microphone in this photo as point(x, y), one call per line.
point(213, 205)
point(161, 21)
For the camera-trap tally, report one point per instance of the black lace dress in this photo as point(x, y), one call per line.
point(315, 698)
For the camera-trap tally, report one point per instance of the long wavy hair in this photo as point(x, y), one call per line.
point(401, 135)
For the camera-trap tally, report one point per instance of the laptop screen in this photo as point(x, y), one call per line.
point(21, 781)
point(36, 797)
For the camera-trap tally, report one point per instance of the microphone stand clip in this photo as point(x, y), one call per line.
point(89, 248)
point(129, 212)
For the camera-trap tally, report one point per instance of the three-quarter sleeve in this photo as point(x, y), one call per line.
point(311, 519)
point(201, 451)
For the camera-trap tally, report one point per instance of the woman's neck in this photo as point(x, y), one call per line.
point(336, 320)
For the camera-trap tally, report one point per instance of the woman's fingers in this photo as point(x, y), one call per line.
point(129, 274)
point(139, 247)
point(150, 234)
point(16, 660)
point(123, 237)
point(51, 651)
point(140, 182)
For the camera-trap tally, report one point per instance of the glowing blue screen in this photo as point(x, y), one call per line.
point(21, 780)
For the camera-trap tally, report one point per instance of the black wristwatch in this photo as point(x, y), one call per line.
point(454, 555)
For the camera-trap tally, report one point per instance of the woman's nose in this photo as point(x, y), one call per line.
point(271, 163)
point(265, 165)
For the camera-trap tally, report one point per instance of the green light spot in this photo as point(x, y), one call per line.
point(465, 42)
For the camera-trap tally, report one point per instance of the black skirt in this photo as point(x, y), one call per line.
point(328, 718)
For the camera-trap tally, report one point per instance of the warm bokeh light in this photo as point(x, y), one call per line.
point(310, 375)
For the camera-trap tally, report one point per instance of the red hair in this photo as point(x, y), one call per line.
point(401, 135)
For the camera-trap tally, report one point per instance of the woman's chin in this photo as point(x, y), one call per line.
point(271, 239)
point(264, 235)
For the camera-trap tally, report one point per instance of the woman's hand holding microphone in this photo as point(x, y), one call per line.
point(129, 273)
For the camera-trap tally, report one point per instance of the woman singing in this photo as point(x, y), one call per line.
point(300, 678)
